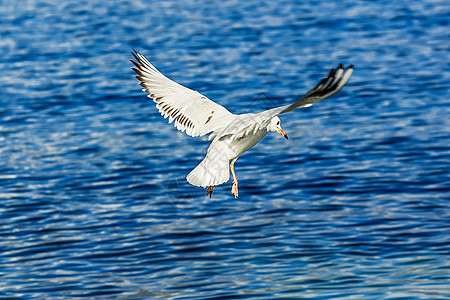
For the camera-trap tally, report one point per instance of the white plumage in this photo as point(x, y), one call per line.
point(231, 134)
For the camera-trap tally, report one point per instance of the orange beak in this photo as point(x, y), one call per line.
point(281, 131)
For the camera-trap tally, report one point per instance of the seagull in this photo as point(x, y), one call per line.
point(231, 134)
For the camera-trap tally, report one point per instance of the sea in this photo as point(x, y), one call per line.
point(94, 203)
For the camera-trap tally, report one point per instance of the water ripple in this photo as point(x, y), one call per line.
point(92, 181)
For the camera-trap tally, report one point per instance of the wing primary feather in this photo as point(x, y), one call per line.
point(327, 87)
point(321, 85)
point(135, 64)
point(169, 111)
point(325, 84)
point(142, 60)
point(180, 119)
point(332, 73)
point(331, 82)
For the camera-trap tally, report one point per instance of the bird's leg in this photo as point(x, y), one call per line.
point(209, 191)
point(234, 189)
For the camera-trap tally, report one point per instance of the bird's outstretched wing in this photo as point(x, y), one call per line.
point(326, 88)
point(192, 112)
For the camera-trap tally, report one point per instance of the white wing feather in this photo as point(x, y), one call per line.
point(192, 112)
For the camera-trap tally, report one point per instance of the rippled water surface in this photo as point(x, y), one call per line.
point(94, 204)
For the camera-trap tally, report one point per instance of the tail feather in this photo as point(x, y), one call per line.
point(210, 172)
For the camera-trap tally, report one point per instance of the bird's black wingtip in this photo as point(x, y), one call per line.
point(135, 55)
point(332, 73)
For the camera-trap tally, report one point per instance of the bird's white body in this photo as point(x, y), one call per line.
point(242, 133)
point(213, 169)
point(231, 134)
point(247, 142)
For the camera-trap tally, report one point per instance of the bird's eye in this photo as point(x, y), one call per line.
point(278, 123)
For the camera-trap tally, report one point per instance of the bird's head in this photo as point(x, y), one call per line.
point(275, 126)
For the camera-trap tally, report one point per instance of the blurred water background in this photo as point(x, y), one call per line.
point(93, 200)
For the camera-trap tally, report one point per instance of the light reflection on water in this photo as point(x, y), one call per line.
point(94, 200)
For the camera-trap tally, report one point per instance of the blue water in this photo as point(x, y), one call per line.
point(94, 204)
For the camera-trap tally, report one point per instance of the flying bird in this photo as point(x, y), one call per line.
point(231, 134)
